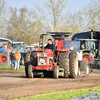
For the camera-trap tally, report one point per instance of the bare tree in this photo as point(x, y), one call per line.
point(23, 26)
point(92, 15)
point(85, 19)
point(52, 14)
point(74, 22)
point(3, 20)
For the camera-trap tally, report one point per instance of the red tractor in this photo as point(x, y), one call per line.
point(47, 61)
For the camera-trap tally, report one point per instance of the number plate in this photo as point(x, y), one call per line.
point(42, 61)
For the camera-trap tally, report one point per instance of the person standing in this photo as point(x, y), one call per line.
point(91, 58)
point(12, 57)
point(17, 60)
point(25, 55)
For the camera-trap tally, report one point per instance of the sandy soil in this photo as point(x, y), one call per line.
point(16, 85)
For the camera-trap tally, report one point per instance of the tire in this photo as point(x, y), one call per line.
point(30, 73)
point(86, 57)
point(27, 62)
point(4, 58)
point(78, 75)
point(64, 63)
point(56, 72)
point(84, 68)
point(73, 64)
point(22, 60)
point(33, 58)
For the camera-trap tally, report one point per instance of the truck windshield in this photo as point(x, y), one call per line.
point(67, 44)
point(18, 45)
point(72, 45)
point(90, 45)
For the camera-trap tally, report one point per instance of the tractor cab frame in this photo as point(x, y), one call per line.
point(55, 35)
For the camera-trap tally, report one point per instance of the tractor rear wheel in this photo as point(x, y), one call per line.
point(30, 73)
point(4, 58)
point(73, 64)
point(27, 62)
point(56, 72)
point(84, 68)
point(64, 63)
point(33, 58)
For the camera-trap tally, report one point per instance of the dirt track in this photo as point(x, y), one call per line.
point(16, 85)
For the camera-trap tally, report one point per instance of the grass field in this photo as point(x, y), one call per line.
point(64, 95)
point(8, 68)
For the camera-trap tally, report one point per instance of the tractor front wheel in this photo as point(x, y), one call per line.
point(84, 68)
point(33, 58)
point(27, 62)
point(56, 72)
point(30, 73)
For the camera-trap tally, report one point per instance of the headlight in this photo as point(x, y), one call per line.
point(45, 54)
point(39, 54)
point(50, 57)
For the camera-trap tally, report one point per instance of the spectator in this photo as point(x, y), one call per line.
point(25, 50)
point(12, 57)
point(91, 58)
point(72, 46)
point(25, 54)
point(17, 60)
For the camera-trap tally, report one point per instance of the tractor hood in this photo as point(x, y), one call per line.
point(47, 53)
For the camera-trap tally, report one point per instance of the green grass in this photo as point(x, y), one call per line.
point(64, 95)
point(8, 68)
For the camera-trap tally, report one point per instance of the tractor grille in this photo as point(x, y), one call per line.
point(42, 61)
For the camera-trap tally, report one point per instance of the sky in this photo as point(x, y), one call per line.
point(73, 5)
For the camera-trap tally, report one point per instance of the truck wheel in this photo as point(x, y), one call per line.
point(73, 64)
point(27, 62)
point(64, 63)
point(84, 68)
point(56, 72)
point(34, 58)
point(30, 73)
point(86, 57)
point(4, 58)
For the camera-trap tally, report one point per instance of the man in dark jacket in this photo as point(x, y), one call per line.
point(50, 45)
point(12, 57)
